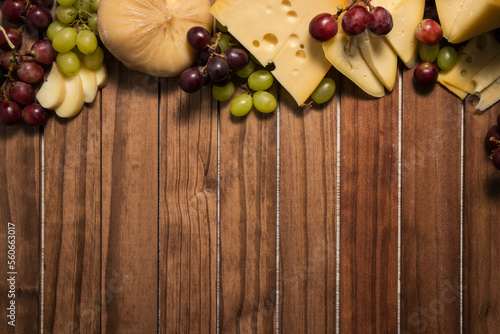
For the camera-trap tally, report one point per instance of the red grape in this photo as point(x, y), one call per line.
point(14, 10)
point(191, 80)
point(425, 74)
point(45, 3)
point(22, 93)
point(496, 158)
point(10, 113)
point(236, 58)
point(15, 37)
point(355, 20)
point(43, 52)
point(6, 58)
point(217, 69)
point(380, 21)
point(34, 114)
point(204, 55)
point(323, 27)
point(39, 17)
point(30, 71)
point(429, 32)
point(494, 132)
point(198, 37)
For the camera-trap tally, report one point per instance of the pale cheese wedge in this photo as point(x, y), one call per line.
point(53, 91)
point(73, 100)
point(458, 92)
point(488, 96)
point(487, 75)
point(380, 56)
point(101, 75)
point(89, 83)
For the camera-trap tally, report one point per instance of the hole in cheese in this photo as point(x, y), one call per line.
point(292, 15)
point(269, 9)
point(301, 54)
point(295, 71)
point(271, 39)
point(469, 59)
point(293, 40)
point(481, 42)
point(463, 73)
point(256, 43)
point(302, 46)
point(286, 4)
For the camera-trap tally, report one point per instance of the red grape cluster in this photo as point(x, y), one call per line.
point(359, 16)
point(493, 143)
point(20, 72)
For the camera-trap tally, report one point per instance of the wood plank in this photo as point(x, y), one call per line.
point(73, 222)
point(430, 209)
point(368, 211)
point(188, 225)
point(308, 210)
point(129, 202)
point(247, 221)
point(481, 228)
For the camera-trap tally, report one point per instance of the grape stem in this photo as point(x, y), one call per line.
point(204, 69)
point(340, 9)
point(7, 38)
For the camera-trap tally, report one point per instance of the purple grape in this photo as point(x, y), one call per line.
point(380, 21)
point(45, 3)
point(15, 37)
point(43, 52)
point(425, 74)
point(34, 114)
point(198, 37)
point(10, 113)
point(323, 27)
point(39, 17)
point(496, 158)
point(6, 59)
point(30, 71)
point(355, 20)
point(217, 69)
point(494, 132)
point(191, 80)
point(224, 82)
point(204, 55)
point(22, 93)
point(236, 58)
point(14, 10)
point(206, 80)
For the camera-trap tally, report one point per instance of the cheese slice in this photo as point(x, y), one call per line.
point(447, 11)
point(487, 75)
point(73, 99)
point(488, 96)
point(458, 92)
point(406, 14)
point(277, 31)
point(380, 56)
point(344, 54)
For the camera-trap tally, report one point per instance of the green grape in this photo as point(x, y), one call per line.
point(447, 58)
point(86, 41)
point(54, 28)
point(264, 101)
point(247, 70)
point(66, 2)
point(241, 105)
point(95, 4)
point(65, 39)
point(68, 62)
point(78, 53)
point(324, 92)
point(428, 52)
point(66, 14)
point(94, 60)
point(223, 93)
point(220, 27)
point(92, 23)
point(260, 80)
point(84, 7)
point(225, 42)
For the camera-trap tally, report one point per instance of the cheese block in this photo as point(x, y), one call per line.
point(406, 14)
point(465, 19)
point(488, 96)
point(344, 54)
point(487, 75)
point(277, 31)
point(380, 56)
point(476, 54)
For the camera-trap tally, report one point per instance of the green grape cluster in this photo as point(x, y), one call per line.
point(75, 36)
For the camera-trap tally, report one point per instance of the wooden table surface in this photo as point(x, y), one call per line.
point(156, 211)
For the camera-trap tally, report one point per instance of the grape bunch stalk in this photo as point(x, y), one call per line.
point(360, 15)
point(493, 143)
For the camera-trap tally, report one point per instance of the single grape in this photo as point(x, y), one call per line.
point(43, 52)
point(324, 92)
point(493, 132)
point(355, 20)
point(198, 37)
point(34, 114)
point(225, 42)
point(191, 80)
point(65, 40)
point(247, 70)
point(92, 23)
point(223, 93)
point(6, 60)
point(236, 58)
point(264, 101)
point(15, 37)
point(45, 3)
point(94, 60)
point(54, 28)
point(425, 74)
point(241, 105)
point(95, 4)
point(260, 80)
point(22, 93)
point(14, 10)
point(428, 52)
point(204, 55)
point(68, 62)
point(86, 41)
point(496, 158)
point(380, 21)
point(10, 113)
point(431, 13)
point(429, 32)
point(447, 58)
point(323, 27)
point(66, 14)
point(30, 71)
point(217, 69)
point(39, 17)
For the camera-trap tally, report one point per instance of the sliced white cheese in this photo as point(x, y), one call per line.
point(487, 75)
point(52, 92)
point(101, 75)
point(89, 83)
point(488, 96)
point(73, 100)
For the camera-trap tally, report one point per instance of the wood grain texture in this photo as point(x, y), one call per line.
point(72, 265)
point(431, 212)
point(129, 202)
point(308, 209)
point(247, 222)
point(481, 228)
point(368, 211)
point(188, 224)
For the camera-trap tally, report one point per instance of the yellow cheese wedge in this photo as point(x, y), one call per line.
point(380, 56)
point(487, 75)
point(53, 91)
point(73, 99)
point(488, 96)
point(448, 10)
point(458, 92)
